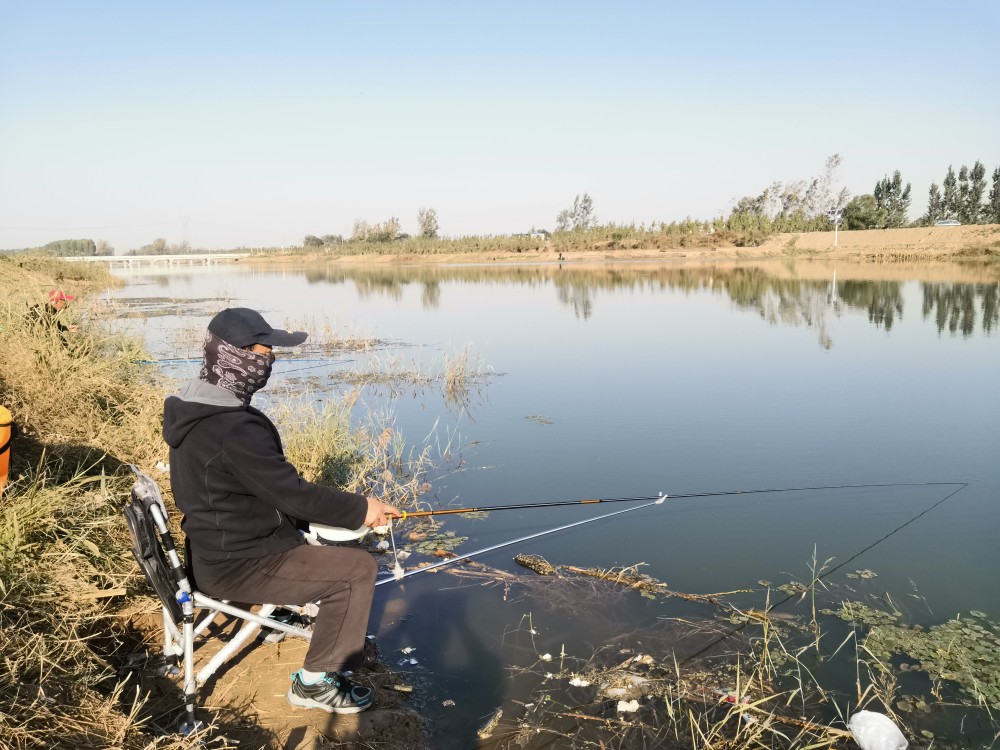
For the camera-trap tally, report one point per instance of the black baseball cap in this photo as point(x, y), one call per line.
point(243, 327)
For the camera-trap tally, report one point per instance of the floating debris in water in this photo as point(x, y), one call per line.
point(408, 650)
point(539, 419)
point(403, 688)
point(537, 564)
point(579, 682)
point(874, 731)
point(865, 574)
point(546, 657)
point(487, 729)
point(448, 703)
point(792, 588)
point(628, 707)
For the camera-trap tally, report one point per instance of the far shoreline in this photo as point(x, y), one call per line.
point(977, 243)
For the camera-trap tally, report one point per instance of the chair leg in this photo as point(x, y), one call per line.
point(190, 687)
point(206, 622)
point(244, 634)
point(171, 646)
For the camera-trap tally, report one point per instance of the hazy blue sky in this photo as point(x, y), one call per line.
point(256, 123)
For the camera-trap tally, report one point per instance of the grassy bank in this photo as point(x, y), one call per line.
point(72, 602)
point(82, 410)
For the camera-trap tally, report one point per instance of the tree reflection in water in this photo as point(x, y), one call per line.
point(779, 298)
point(953, 306)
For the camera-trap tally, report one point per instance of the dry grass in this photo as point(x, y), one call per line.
point(69, 588)
point(370, 458)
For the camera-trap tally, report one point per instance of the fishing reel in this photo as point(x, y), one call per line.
point(323, 534)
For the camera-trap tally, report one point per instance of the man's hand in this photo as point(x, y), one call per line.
point(379, 513)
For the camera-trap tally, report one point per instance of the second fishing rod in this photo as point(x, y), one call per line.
point(647, 498)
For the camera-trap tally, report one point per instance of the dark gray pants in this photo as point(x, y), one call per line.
point(340, 578)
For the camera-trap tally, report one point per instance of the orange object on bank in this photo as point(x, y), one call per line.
point(6, 431)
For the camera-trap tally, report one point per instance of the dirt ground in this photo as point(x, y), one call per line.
point(920, 244)
point(244, 702)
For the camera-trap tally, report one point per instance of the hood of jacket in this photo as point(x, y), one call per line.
point(195, 401)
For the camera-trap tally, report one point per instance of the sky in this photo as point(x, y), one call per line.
point(252, 124)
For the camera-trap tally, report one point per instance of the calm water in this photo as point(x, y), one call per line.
point(631, 380)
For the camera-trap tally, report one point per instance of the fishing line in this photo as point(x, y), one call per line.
point(655, 500)
point(739, 628)
point(398, 577)
point(326, 363)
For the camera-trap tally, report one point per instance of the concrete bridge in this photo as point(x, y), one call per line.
point(138, 261)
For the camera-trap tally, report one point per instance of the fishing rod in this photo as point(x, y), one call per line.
point(560, 503)
point(337, 534)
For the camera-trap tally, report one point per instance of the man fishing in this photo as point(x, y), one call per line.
point(242, 501)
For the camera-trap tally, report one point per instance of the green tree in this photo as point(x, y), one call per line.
point(963, 195)
point(935, 206)
point(578, 218)
point(427, 220)
point(892, 200)
point(861, 213)
point(993, 207)
point(156, 247)
point(71, 248)
point(312, 240)
point(387, 231)
point(949, 200)
point(977, 189)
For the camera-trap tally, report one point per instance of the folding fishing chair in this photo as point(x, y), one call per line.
point(154, 550)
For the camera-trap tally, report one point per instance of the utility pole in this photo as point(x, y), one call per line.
point(836, 218)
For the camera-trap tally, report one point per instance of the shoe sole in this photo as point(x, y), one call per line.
point(297, 701)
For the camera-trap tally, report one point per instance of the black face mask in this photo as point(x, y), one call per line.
point(240, 371)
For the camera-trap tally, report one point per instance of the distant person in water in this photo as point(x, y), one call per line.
point(49, 314)
point(243, 501)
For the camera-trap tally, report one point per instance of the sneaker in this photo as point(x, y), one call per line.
point(334, 693)
point(286, 617)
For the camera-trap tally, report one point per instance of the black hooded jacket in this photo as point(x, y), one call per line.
point(239, 495)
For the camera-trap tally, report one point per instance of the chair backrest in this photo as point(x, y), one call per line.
point(147, 547)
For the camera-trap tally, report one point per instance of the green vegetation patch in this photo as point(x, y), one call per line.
point(964, 651)
point(864, 614)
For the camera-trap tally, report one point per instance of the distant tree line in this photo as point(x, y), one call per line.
point(76, 248)
point(962, 198)
point(389, 230)
point(159, 246)
point(327, 240)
